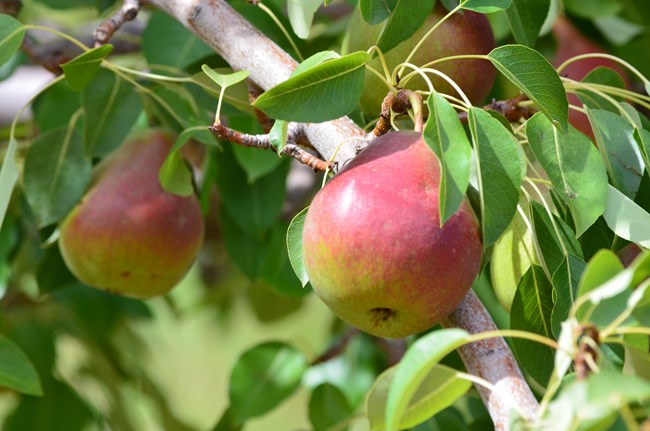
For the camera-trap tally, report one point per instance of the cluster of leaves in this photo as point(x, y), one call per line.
point(581, 202)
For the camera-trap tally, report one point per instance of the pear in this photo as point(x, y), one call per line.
point(373, 247)
point(128, 235)
point(465, 32)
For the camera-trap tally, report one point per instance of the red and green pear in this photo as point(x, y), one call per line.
point(465, 32)
point(373, 247)
point(128, 235)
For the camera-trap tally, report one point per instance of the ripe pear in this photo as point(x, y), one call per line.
point(571, 43)
point(128, 235)
point(373, 247)
point(465, 32)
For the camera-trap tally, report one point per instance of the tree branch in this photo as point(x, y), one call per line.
point(246, 48)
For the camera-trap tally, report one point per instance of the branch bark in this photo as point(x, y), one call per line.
point(246, 48)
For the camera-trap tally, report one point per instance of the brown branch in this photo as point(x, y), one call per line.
point(264, 142)
point(509, 108)
point(397, 104)
point(107, 29)
point(11, 7)
point(337, 348)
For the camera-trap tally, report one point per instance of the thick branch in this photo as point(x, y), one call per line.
point(245, 48)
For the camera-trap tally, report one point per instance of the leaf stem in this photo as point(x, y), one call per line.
point(58, 33)
point(275, 19)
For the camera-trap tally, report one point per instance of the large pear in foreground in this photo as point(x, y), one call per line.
point(128, 235)
point(373, 247)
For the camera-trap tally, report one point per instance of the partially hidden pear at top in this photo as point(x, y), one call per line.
point(373, 247)
point(128, 235)
point(465, 32)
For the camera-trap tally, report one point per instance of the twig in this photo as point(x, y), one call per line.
point(397, 104)
point(106, 29)
point(337, 348)
point(509, 108)
point(11, 7)
point(264, 142)
point(587, 353)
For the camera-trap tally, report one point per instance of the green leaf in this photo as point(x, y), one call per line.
point(604, 266)
point(255, 162)
point(54, 107)
point(325, 92)
point(227, 422)
point(278, 135)
point(375, 11)
point(56, 174)
point(301, 15)
point(603, 76)
point(627, 219)
point(80, 71)
point(615, 139)
point(175, 176)
point(166, 42)
point(555, 249)
point(535, 76)
point(294, 246)
point(414, 367)
point(642, 138)
point(16, 371)
point(225, 80)
point(526, 18)
point(531, 311)
point(11, 37)
point(486, 6)
point(593, 8)
point(246, 250)
point(574, 167)
point(565, 287)
point(407, 17)
point(445, 135)
point(263, 377)
point(8, 178)
point(329, 410)
point(111, 109)
point(499, 167)
point(314, 60)
point(438, 390)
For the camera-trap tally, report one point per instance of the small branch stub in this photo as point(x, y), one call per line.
point(107, 29)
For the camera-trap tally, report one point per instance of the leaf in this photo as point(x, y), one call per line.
point(603, 76)
point(56, 174)
point(314, 60)
point(407, 17)
point(565, 287)
point(526, 18)
point(604, 266)
point(486, 6)
point(80, 71)
point(16, 371)
point(54, 107)
point(11, 37)
point(414, 367)
point(573, 166)
point(375, 11)
point(437, 391)
point(593, 8)
point(301, 15)
point(444, 134)
point(627, 219)
point(500, 173)
point(263, 377)
point(225, 80)
point(535, 76)
point(278, 135)
point(8, 178)
point(531, 311)
point(166, 42)
point(246, 250)
point(325, 92)
point(642, 138)
point(175, 176)
point(615, 140)
point(254, 207)
point(111, 108)
point(328, 408)
point(555, 249)
point(294, 246)
point(566, 351)
point(227, 422)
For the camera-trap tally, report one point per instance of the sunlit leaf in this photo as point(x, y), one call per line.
point(574, 167)
point(444, 134)
point(487, 6)
point(175, 176)
point(535, 76)
point(414, 367)
point(8, 178)
point(407, 17)
point(294, 245)
point(375, 11)
point(301, 14)
point(225, 80)
point(500, 173)
point(324, 92)
point(627, 219)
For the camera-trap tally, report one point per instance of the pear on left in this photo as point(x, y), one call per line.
point(127, 235)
